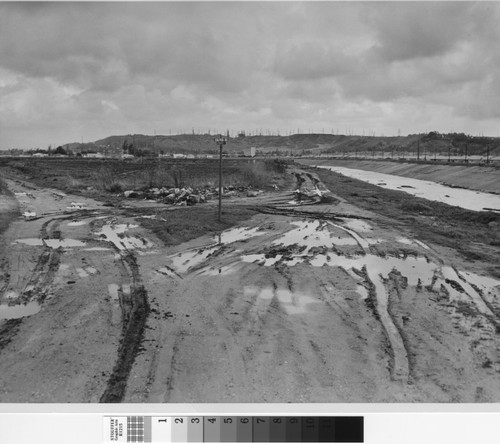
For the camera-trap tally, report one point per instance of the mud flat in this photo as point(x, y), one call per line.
point(480, 178)
point(341, 299)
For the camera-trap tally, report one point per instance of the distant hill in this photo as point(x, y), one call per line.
point(297, 144)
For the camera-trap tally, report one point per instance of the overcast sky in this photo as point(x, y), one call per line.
point(89, 70)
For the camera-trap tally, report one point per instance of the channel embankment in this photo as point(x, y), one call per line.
point(475, 177)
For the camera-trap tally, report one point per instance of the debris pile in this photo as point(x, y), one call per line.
point(190, 196)
point(309, 187)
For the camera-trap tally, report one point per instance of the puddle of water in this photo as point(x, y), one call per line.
point(412, 268)
point(111, 234)
point(33, 242)
point(19, 311)
point(312, 234)
point(82, 273)
point(52, 243)
point(404, 240)
point(468, 199)
point(362, 242)
point(65, 243)
point(20, 194)
point(91, 270)
point(11, 294)
point(184, 261)
point(450, 274)
point(357, 225)
point(482, 282)
point(126, 289)
point(421, 244)
point(148, 253)
point(97, 249)
point(237, 234)
point(29, 214)
point(77, 223)
point(113, 291)
point(362, 291)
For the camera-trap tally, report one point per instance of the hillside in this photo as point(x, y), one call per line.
point(305, 144)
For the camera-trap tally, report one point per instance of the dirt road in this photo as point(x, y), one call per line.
point(301, 303)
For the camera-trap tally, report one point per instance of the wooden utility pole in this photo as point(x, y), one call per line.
point(219, 140)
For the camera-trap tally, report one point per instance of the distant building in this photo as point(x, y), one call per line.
point(40, 155)
point(94, 155)
point(253, 151)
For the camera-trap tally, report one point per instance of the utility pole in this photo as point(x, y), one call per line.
point(418, 150)
point(219, 140)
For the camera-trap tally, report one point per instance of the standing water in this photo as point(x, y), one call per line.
point(468, 199)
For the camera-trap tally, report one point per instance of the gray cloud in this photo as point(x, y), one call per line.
point(68, 68)
point(413, 30)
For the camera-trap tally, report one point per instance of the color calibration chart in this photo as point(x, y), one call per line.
point(168, 429)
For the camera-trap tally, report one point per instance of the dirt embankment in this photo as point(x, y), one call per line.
point(480, 178)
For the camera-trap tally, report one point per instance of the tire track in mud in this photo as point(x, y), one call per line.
point(379, 299)
point(379, 296)
point(47, 264)
point(324, 215)
point(135, 311)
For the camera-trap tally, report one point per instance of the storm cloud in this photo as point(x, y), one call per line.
point(87, 70)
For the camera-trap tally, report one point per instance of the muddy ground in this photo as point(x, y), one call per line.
point(343, 300)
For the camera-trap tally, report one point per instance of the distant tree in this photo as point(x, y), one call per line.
point(60, 150)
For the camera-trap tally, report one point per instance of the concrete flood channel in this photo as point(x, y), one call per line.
point(343, 244)
point(468, 199)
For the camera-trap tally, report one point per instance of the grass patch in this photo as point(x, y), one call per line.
point(188, 223)
point(113, 176)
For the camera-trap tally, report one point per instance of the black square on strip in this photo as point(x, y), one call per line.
point(135, 429)
point(349, 429)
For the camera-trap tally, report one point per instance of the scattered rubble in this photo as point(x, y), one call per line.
point(190, 196)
